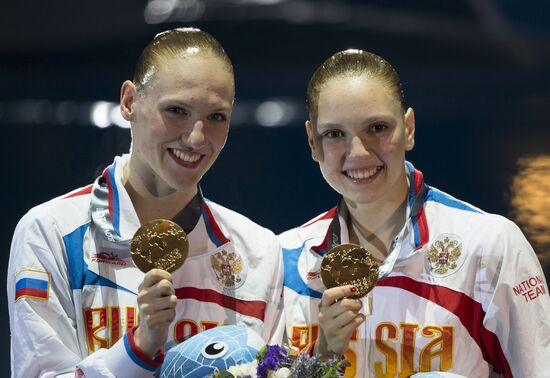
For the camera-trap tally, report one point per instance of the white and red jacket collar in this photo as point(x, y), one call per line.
point(415, 213)
point(113, 212)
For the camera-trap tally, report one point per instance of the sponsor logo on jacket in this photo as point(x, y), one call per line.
point(313, 275)
point(108, 258)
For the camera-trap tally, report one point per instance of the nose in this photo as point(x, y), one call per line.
point(358, 147)
point(196, 136)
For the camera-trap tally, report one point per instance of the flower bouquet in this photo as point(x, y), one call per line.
point(274, 361)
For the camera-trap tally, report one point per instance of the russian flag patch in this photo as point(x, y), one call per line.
point(32, 283)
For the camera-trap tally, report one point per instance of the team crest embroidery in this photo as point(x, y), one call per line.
point(444, 255)
point(229, 268)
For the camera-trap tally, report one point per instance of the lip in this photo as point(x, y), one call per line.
point(365, 180)
point(184, 163)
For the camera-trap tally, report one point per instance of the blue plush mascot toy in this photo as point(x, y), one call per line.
point(213, 350)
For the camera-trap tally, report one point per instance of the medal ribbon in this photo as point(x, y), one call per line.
point(334, 237)
point(101, 213)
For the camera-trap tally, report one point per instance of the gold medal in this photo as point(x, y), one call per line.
point(350, 264)
point(160, 244)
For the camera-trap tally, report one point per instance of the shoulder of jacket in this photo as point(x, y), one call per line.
point(231, 219)
point(64, 213)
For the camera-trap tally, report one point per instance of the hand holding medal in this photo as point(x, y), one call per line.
point(160, 244)
point(349, 273)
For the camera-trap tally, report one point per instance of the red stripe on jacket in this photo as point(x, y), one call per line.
point(255, 309)
point(469, 312)
point(80, 192)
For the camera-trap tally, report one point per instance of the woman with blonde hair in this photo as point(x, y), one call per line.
point(78, 303)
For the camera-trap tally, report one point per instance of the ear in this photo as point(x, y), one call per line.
point(311, 140)
point(128, 95)
point(409, 129)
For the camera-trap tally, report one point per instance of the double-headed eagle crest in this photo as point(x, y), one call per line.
point(443, 255)
point(229, 268)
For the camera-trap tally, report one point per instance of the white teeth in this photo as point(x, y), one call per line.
point(189, 158)
point(362, 173)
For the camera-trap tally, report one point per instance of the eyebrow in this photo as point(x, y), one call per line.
point(328, 125)
point(183, 104)
point(368, 120)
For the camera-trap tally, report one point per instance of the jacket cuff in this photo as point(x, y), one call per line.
point(142, 364)
point(137, 355)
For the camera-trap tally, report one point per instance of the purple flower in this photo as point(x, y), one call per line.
point(274, 358)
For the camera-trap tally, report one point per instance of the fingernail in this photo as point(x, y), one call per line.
point(353, 289)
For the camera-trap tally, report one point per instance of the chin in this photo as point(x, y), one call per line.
point(183, 178)
point(178, 183)
point(360, 198)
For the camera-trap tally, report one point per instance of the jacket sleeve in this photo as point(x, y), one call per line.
point(274, 322)
point(518, 308)
point(43, 310)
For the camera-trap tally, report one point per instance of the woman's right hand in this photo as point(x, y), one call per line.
point(157, 308)
point(339, 317)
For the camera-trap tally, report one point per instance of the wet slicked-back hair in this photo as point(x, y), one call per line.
point(176, 43)
point(350, 63)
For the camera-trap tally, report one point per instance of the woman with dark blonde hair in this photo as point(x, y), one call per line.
point(459, 291)
point(78, 303)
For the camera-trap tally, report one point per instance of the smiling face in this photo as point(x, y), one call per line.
point(179, 122)
point(359, 137)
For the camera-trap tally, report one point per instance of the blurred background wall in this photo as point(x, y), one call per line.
point(476, 72)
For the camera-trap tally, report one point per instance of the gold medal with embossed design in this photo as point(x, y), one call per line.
point(160, 244)
point(350, 264)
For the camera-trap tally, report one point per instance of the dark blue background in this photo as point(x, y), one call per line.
point(477, 78)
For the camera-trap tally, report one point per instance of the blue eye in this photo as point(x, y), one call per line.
point(214, 349)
